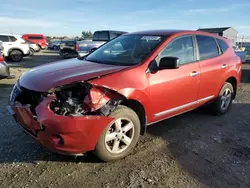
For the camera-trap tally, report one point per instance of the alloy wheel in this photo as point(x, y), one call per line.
point(119, 135)
point(226, 99)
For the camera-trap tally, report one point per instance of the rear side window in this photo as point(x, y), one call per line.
point(207, 47)
point(223, 45)
point(68, 43)
point(13, 39)
point(101, 36)
point(4, 38)
point(182, 48)
point(35, 37)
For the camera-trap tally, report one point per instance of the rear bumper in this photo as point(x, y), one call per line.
point(60, 134)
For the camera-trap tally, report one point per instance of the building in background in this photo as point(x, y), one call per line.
point(227, 32)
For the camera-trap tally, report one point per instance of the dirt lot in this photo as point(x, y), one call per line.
point(191, 150)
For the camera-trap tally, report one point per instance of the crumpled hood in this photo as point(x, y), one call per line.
point(45, 77)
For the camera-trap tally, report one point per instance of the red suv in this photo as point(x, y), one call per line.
point(38, 39)
point(105, 100)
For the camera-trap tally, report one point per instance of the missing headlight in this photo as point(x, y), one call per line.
point(79, 99)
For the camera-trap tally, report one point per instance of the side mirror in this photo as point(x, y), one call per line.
point(169, 63)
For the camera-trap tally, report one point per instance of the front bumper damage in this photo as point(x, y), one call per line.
point(64, 134)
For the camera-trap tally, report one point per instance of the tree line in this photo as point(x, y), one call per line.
point(85, 35)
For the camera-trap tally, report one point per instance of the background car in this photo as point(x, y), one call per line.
point(68, 48)
point(54, 45)
point(33, 47)
point(39, 39)
point(15, 47)
point(99, 38)
point(4, 68)
point(240, 53)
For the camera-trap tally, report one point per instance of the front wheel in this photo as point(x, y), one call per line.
point(120, 136)
point(224, 100)
point(32, 51)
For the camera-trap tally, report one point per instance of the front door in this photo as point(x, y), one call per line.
point(174, 91)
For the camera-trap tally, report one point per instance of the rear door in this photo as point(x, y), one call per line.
point(211, 62)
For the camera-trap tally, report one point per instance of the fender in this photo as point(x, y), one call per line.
point(138, 95)
point(231, 73)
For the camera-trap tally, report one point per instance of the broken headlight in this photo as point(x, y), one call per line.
point(78, 99)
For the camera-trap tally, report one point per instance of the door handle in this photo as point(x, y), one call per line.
point(224, 66)
point(194, 73)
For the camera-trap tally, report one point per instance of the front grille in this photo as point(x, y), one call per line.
point(26, 97)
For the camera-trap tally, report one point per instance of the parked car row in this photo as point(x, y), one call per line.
point(15, 47)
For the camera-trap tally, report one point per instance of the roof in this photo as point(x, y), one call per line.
point(35, 34)
point(214, 30)
point(163, 32)
point(10, 34)
point(111, 31)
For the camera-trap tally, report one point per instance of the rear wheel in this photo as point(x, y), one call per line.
point(16, 56)
point(120, 136)
point(224, 100)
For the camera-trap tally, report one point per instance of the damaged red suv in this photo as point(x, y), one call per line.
point(103, 102)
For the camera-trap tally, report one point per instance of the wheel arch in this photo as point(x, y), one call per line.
point(11, 49)
point(139, 110)
point(232, 80)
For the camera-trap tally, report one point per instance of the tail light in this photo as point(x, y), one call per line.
point(76, 47)
point(1, 58)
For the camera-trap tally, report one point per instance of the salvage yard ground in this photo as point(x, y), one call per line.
point(191, 150)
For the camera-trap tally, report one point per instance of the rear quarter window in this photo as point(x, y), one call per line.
point(207, 47)
point(101, 36)
point(223, 45)
point(12, 38)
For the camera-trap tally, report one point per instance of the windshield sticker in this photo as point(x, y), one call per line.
point(150, 38)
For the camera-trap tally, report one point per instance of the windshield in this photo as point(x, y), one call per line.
point(125, 50)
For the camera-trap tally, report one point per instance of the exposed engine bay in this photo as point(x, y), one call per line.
point(83, 99)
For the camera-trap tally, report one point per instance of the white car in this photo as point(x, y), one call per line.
point(15, 47)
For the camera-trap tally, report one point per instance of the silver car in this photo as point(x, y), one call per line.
point(33, 48)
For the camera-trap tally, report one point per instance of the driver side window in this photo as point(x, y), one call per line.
point(182, 47)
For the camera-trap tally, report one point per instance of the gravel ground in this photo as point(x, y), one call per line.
point(192, 150)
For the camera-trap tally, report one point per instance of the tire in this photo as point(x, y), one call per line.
point(217, 107)
point(54, 48)
point(15, 56)
point(106, 150)
point(32, 51)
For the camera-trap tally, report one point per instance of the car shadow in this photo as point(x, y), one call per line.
point(212, 149)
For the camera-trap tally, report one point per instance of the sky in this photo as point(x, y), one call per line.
point(71, 17)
